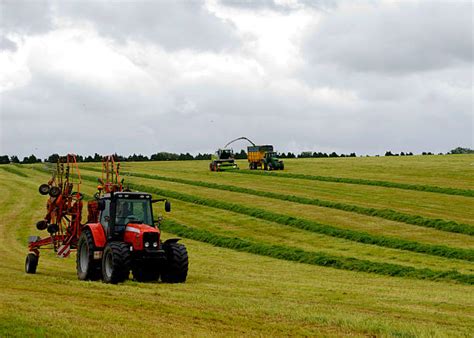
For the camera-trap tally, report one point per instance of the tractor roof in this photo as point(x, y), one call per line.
point(129, 194)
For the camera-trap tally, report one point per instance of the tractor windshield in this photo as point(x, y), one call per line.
point(133, 211)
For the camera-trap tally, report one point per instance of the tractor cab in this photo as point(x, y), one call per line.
point(118, 210)
point(271, 155)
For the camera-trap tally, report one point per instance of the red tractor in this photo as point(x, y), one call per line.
point(120, 236)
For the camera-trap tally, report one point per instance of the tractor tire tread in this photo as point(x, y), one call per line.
point(120, 263)
point(95, 270)
point(176, 269)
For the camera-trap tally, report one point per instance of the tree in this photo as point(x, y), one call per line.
point(388, 153)
point(460, 150)
point(4, 159)
point(242, 155)
point(14, 159)
point(31, 159)
point(54, 158)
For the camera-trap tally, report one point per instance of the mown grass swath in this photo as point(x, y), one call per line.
point(314, 258)
point(312, 226)
point(356, 236)
point(386, 184)
point(12, 170)
point(389, 214)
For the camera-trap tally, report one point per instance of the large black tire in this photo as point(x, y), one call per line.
point(41, 225)
point(31, 263)
point(43, 189)
point(87, 268)
point(145, 273)
point(176, 269)
point(282, 166)
point(116, 263)
point(54, 191)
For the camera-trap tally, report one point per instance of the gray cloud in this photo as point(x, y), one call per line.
point(7, 44)
point(280, 7)
point(27, 17)
point(170, 24)
point(24, 18)
point(399, 39)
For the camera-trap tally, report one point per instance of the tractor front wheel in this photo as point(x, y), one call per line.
point(87, 268)
point(176, 269)
point(116, 263)
point(31, 263)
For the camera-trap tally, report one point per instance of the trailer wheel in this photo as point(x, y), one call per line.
point(176, 269)
point(116, 263)
point(87, 268)
point(43, 189)
point(31, 263)
point(41, 225)
point(282, 166)
point(54, 191)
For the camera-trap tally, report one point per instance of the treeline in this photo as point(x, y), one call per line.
point(166, 156)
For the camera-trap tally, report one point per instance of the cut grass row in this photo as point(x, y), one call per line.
point(314, 258)
point(12, 170)
point(386, 184)
point(389, 214)
point(222, 223)
point(356, 236)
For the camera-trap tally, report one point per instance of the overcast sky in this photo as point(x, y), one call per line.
point(188, 76)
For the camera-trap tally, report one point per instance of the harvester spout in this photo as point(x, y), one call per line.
point(237, 139)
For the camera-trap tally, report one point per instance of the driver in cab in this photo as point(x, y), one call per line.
point(124, 213)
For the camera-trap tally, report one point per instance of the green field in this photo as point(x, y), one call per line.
point(330, 247)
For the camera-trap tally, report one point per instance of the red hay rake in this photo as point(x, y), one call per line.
point(64, 211)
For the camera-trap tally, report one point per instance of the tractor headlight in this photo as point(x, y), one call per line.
point(155, 244)
point(147, 244)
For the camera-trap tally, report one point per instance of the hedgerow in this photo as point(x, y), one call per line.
point(406, 186)
point(389, 214)
point(313, 258)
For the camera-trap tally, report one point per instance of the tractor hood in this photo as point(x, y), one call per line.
point(140, 228)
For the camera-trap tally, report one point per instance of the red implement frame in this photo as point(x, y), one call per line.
point(110, 181)
point(63, 211)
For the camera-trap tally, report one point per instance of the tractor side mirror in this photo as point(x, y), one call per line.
point(167, 206)
point(101, 204)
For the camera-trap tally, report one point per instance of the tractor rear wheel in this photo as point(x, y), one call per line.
point(146, 273)
point(87, 268)
point(31, 263)
point(176, 269)
point(116, 262)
